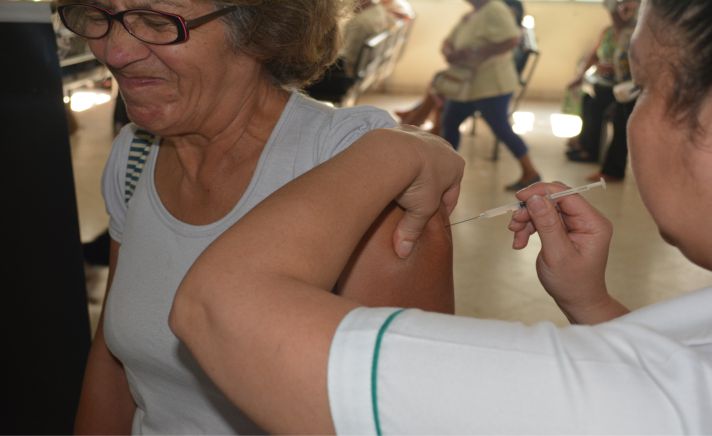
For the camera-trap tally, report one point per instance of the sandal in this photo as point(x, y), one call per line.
point(580, 156)
point(598, 176)
point(521, 184)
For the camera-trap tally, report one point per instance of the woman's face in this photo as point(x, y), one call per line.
point(627, 10)
point(175, 88)
point(673, 169)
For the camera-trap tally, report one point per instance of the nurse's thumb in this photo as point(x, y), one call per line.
point(548, 224)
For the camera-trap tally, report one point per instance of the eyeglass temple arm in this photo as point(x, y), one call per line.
point(192, 24)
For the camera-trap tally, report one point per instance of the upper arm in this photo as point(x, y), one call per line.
point(376, 276)
point(501, 25)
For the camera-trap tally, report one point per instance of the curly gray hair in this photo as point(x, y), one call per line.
point(296, 40)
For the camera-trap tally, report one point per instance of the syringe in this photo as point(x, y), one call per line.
point(512, 207)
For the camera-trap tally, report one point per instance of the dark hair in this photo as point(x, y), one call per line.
point(691, 24)
point(518, 9)
point(296, 40)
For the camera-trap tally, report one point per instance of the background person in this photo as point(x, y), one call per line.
point(483, 42)
point(369, 18)
point(608, 57)
point(481, 77)
point(430, 106)
point(615, 159)
point(228, 133)
point(383, 371)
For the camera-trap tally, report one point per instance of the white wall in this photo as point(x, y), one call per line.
point(566, 32)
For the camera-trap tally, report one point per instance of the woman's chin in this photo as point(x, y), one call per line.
point(693, 252)
point(149, 118)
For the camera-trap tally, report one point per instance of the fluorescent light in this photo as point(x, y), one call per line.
point(84, 100)
point(528, 22)
point(523, 122)
point(565, 126)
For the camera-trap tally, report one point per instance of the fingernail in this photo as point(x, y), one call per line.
point(536, 204)
point(404, 249)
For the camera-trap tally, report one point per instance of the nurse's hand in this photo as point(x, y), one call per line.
point(571, 265)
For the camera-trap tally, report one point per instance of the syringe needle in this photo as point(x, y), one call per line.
point(517, 205)
point(464, 221)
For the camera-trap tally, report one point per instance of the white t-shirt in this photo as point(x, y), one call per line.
point(412, 372)
point(172, 393)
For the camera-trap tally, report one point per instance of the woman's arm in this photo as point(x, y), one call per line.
point(105, 405)
point(591, 60)
point(474, 57)
point(376, 276)
point(253, 309)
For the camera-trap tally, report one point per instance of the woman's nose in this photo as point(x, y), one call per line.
point(118, 48)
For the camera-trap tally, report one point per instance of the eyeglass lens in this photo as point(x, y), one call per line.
point(148, 26)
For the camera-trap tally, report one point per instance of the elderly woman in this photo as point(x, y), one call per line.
point(211, 83)
point(365, 370)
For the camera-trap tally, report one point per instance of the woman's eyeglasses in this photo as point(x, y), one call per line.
point(149, 26)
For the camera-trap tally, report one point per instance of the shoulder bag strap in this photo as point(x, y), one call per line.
point(138, 153)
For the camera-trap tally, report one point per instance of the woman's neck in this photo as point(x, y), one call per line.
point(236, 133)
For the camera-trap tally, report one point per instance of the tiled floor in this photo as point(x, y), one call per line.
point(491, 279)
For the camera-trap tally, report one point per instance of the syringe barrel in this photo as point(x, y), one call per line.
point(502, 209)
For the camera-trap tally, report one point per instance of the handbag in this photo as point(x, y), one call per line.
point(453, 82)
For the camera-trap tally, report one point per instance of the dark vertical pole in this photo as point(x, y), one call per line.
point(45, 326)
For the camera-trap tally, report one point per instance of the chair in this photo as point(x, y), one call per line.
point(368, 65)
point(375, 62)
point(526, 58)
point(395, 46)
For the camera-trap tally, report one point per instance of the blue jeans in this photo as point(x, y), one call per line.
point(494, 110)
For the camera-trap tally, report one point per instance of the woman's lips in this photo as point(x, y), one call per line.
point(137, 82)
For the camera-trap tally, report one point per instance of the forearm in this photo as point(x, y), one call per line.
point(105, 405)
point(476, 56)
point(591, 60)
point(605, 309)
point(497, 48)
point(323, 228)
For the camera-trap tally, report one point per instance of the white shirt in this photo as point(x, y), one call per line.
point(172, 394)
point(649, 372)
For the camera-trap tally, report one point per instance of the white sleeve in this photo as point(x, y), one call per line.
point(113, 181)
point(438, 374)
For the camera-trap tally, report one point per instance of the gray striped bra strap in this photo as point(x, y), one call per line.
point(138, 153)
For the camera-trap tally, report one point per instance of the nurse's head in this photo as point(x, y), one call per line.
point(670, 130)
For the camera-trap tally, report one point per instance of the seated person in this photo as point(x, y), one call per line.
point(400, 9)
point(369, 19)
point(430, 106)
